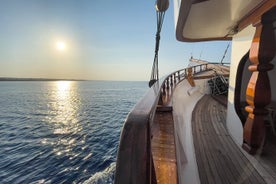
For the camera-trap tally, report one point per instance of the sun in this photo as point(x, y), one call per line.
point(60, 45)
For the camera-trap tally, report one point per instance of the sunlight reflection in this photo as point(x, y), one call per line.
point(64, 109)
point(66, 105)
point(63, 87)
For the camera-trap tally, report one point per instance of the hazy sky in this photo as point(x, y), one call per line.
point(98, 39)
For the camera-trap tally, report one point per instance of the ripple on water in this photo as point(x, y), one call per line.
point(62, 132)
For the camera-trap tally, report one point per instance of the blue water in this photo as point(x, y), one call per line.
point(63, 131)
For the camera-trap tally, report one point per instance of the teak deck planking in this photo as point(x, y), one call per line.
point(163, 148)
point(218, 157)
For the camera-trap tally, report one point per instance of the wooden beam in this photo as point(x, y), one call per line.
point(255, 14)
point(198, 1)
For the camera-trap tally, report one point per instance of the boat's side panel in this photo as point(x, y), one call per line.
point(134, 154)
point(240, 46)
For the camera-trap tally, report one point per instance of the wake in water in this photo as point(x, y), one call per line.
point(103, 177)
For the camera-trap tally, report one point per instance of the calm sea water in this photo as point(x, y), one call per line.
point(63, 131)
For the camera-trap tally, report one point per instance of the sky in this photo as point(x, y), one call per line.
point(93, 40)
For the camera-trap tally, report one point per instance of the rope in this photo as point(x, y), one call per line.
point(221, 62)
point(155, 72)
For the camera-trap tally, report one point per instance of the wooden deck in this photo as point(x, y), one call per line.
point(163, 148)
point(218, 157)
point(268, 156)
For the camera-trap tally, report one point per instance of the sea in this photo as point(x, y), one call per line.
point(63, 131)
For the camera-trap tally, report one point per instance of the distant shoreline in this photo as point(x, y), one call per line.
point(35, 79)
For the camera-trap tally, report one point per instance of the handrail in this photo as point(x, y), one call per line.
point(134, 159)
point(134, 154)
point(174, 78)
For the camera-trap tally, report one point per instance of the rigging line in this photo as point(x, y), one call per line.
point(203, 47)
point(221, 61)
point(155, 71)
point(161, 7)
point(161, 20)
point(154, 68)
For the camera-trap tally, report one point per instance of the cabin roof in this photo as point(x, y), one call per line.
point(203, 20)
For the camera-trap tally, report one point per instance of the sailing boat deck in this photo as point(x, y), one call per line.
point(163, 148)
point(218, 157)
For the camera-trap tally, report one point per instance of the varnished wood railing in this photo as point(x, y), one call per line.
point(173, 79)
point(258, 93)
point(134, 159)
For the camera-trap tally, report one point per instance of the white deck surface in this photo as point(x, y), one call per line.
point(183, 105)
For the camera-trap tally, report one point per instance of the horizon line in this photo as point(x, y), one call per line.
point(59, 79)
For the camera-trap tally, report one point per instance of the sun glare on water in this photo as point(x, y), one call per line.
point(60, 45)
